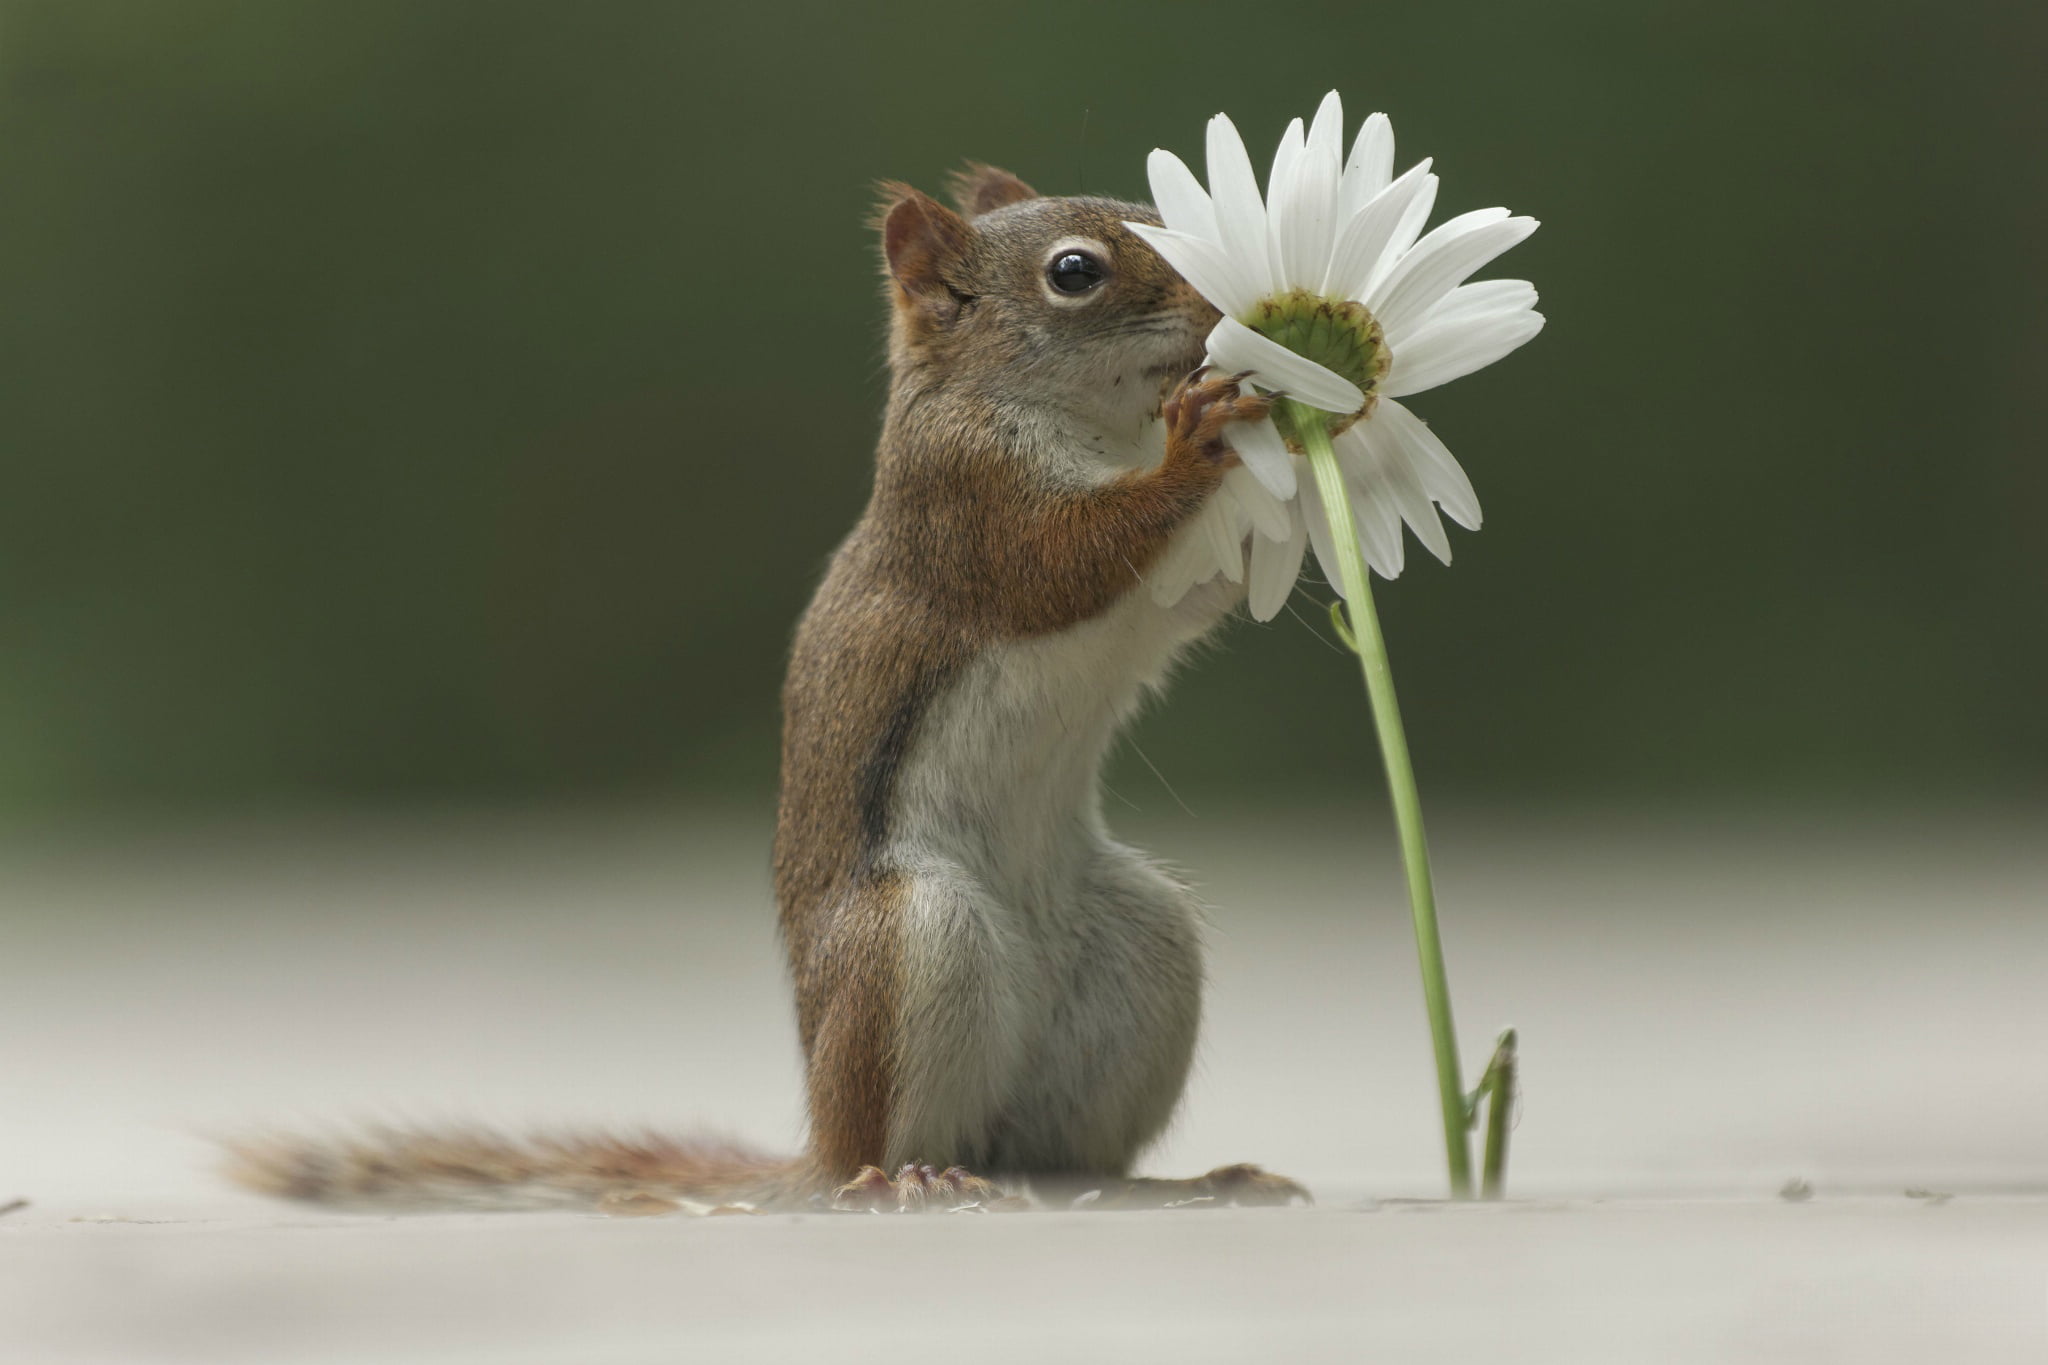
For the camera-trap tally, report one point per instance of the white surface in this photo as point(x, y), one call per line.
point(1707, 1008)
point(1866, 1281)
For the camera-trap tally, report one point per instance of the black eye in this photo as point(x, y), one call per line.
point(1075, 272)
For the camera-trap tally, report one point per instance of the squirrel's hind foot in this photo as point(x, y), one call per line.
point(920, 1189)
point(1243, 1184)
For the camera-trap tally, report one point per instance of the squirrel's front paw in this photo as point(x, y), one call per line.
point(1200, 407)
point(915, 1190)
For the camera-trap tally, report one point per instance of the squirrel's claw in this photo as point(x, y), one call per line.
point(915, 1189)
point(1200, 408)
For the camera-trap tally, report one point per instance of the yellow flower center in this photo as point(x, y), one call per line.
point(1335, 333)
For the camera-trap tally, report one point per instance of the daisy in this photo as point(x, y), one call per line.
point(1332, 294)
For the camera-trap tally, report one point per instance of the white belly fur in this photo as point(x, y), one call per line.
point(1051, 976)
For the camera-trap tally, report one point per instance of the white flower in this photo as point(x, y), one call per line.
point(1332, 261)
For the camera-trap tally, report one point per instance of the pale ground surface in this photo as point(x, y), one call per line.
point(1708, 1007)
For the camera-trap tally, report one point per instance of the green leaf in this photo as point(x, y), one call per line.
point(1342, 627)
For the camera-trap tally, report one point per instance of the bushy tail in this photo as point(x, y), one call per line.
point(401, 1170)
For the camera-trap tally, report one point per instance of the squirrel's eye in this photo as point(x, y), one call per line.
point(1075, 272)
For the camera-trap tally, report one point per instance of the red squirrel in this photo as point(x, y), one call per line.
point(991, 992)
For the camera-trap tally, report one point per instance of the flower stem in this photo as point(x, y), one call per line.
point(1498, 1084)
point(1371, 648)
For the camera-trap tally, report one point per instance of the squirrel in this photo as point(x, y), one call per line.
point(989, 988)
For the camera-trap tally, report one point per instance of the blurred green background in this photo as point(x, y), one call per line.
point(457, 401)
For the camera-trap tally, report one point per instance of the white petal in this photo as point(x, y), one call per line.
point(1417, 509)
point(1264, 454)
point(1279, 190)
point(1267, 514)
point(1418, 253)
point(1443, 349)
point(1400, 483)
point(1240, 213)
point(1234, 346)
point(1171, 577)
point(1318, 524)
point(1182, 202)
point(1430, 458)
point(1370, 168)
point(1291, 143)
point(1438, 264)
point(1372, 501)
point(1205, 265)
point(1187, 552)
point(1484, 297)
point(1302, 212)
point(1327, 131)
point(1225, 544)
point(1366, 233)
point(1190, 558)
point(1276, 563)
point(1403, 237)
point(1166, 592)
point(1319, 534)
point(1318, 177)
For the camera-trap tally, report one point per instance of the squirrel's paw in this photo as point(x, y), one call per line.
point(1197, 411)
point(1244, 1185)
point(917, 1189)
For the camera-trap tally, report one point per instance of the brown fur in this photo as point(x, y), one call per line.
point(391, 1167)
point(978, 188)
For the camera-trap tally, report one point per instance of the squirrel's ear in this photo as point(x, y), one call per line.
point(924, 244)
point(979, 189)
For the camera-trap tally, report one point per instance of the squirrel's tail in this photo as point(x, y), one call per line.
point(402, 1170)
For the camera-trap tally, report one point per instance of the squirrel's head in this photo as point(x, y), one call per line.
point(1037, 300)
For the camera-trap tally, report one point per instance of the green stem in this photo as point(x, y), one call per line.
point(1371, 648)
point(1499, 1085)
